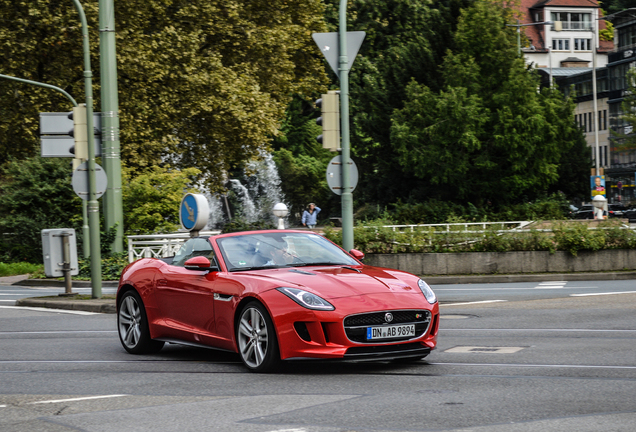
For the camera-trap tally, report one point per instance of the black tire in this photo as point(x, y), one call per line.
point(132, 326)
point(256, 338)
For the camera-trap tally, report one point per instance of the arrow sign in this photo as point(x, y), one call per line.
point(329, 47)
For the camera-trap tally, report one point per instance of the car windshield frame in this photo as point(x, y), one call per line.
point(268, 250)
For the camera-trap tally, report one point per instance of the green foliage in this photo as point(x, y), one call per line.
point(20, 268)
point(112, 266)
point(151, 199)
point(571, 237)
point(201, 83)
point(301, 161)
point(35, 194)
point(553, 207)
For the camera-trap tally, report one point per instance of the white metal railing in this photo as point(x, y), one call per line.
point(158, 245)
point(447, 227)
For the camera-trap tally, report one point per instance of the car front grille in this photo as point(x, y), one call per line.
point(356, 325)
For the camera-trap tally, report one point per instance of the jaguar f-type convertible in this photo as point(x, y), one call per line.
point(272, 296)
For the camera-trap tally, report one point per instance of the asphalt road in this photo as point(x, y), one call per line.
point(524, 358)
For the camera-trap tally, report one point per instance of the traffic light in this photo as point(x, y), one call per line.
point(329, 120)
point(80, 148)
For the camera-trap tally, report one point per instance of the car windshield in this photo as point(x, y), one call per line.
point(284, 249)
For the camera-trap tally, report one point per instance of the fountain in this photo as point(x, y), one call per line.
point(250, 198)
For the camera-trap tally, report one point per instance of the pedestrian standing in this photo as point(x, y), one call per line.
point(310, 215)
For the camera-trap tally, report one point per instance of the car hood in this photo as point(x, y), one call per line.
point(337, 282)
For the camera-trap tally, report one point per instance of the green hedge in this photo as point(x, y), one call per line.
point(571, 237)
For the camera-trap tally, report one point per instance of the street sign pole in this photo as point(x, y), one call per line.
point(93, 206)
point(113, 201)
point(343, 68)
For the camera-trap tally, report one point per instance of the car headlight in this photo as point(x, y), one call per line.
point(427, 291)
point(307, 299)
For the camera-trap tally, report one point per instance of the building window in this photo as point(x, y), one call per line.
point(561, 44)
point(590, 123)
point(582, 44)
point(573, 21)
point(604, 119)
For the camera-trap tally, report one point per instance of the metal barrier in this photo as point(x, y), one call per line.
point(158, 245)
point(506, 226)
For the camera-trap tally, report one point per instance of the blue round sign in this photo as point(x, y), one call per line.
point(194, 212)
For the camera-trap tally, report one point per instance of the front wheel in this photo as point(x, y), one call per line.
point(132, 324)
point(256, 339)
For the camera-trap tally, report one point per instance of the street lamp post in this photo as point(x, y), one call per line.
point(525, 25)
point(595, 98)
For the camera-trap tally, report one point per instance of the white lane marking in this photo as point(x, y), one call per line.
point(3, 406)
point(484, 350)
point(77, 399)
point(508, 288)
point(600, 294)
point(476, 302)
point(8, 301)
point(38, 309)
point(290, 430)
point(523, 365)
point(57, 332)
point(552, 283)
point(541, 330)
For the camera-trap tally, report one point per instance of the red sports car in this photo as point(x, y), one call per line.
point(275, 295)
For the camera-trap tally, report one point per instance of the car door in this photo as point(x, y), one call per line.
point(186, 297)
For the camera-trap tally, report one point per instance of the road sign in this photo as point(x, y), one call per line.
point(60, 146)
point(329, 47)
point(55, 140)
point(80, 181)
point(334, 175)
point(194, 212)
point(59, 123)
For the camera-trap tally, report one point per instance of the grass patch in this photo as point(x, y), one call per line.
point(15, 269)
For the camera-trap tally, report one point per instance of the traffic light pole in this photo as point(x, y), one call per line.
point(93, 206)
point(113, 202)
point(343, 68)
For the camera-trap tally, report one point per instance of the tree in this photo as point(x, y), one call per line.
point(35, 194)
point(202, 83)
point(490, 137)
point(151, 199)
point(301, 160)
point(405, 41)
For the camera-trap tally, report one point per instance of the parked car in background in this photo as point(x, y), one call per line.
point(586, 211)
point(616, 210)
point(630, 214)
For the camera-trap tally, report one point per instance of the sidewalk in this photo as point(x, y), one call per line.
point(107, 303)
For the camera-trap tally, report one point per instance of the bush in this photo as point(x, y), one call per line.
point(374, 237)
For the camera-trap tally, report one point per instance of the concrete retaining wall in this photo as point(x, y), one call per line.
point(506, 262)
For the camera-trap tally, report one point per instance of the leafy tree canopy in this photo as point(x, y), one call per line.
point(201, 83)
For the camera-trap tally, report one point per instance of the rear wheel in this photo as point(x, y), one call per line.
point(132, 324)
point(256, 339)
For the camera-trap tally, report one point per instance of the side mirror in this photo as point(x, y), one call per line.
point(200, 263)
point(357, 254)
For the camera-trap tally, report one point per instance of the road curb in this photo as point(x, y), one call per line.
point(105, 306)
point(535, 277)
point(60, 283)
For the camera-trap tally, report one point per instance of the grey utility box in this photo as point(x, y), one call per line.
point(53, 251)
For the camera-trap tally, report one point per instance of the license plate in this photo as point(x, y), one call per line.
point(390, 332)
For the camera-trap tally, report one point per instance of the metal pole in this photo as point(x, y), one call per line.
point(49, 86)
point(594, 98)
point(66, 267)
point(93, 206)
point(343, 68)
point(113, 202)
point(518, 38)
